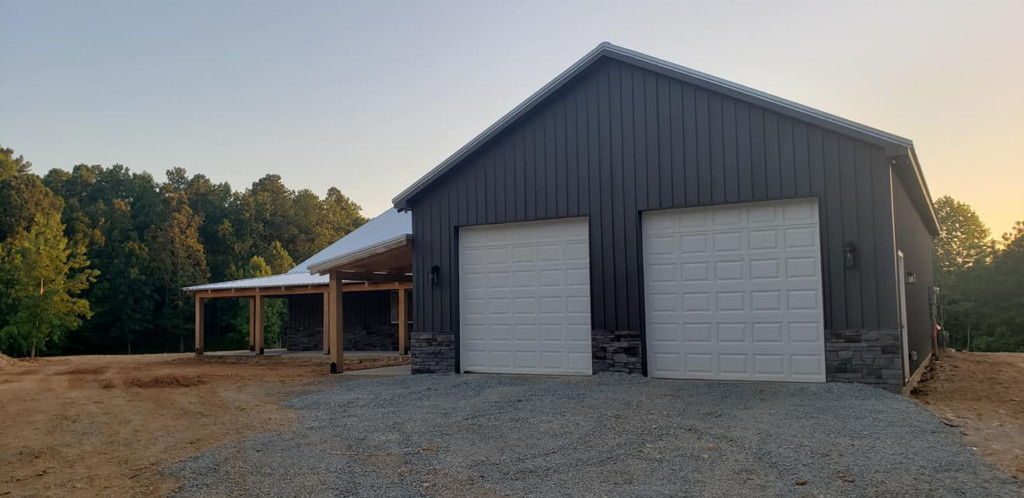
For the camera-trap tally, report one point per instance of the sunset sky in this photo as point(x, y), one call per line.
point(370, 96)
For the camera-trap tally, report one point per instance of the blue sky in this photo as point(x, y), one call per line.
point(369, 96)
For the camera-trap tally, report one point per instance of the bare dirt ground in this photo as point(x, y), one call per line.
point(981, 394)
point(108, 425)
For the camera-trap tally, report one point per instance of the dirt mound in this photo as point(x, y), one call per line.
point(7, 362)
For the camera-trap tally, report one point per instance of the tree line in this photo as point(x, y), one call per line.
point(981, 280)
point(93, 260)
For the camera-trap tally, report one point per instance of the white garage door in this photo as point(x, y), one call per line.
point(734, 292)
point(524, 298)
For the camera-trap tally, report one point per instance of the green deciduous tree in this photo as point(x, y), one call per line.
point(45, 276)
point(964, 241)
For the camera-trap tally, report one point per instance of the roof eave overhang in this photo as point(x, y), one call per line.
point(325, 267)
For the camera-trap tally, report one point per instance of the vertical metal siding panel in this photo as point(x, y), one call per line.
point(758, 168)
point(866, 231)
point(448, 271)
point(521, 185)
point(640, 139)
point(540, 166)
point(605, 200)
point(703, 148)
point(837, 272)
point(583, 161)
point(816, 170)
point(716, 151)
point(690, 147)
point(731, 173)
point(489, 187)
point(617, 152)
point(847, 175)
point(500, 176)
point(743, 153)
point(452, 310)
point(473, 178)
point(654, 179)
point(562, 181)
point(572, 156)
point(786, 161)
point(677, 147)
point(885, 243)
point(800, 168)
point(629, 176)
point(773, 173)
point(664, 139)
point(552, 191)
point(529, 171)
point(597, 284)
point(437, 228)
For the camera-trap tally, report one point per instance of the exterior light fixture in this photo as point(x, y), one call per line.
point(435, 274)
point(911, 278)
point(850, 255)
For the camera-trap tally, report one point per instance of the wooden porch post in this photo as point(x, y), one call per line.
point(259, 323)
point(403, 321)
point(327, 322)
point(200, 322)
point(252, 324)
point(337, 321)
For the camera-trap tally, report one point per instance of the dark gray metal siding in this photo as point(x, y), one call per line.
point(620, 140)
point(913, 239)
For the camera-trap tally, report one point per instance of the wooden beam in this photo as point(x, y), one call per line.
point(337, 322)
point(375, 277)
point(200, 322)
point(259, 323)
point(376, 286)
point(403, 322)
point(266, 291)
point(327, 322)
point(252, 324)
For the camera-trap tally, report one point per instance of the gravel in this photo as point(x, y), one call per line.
point(604, 435)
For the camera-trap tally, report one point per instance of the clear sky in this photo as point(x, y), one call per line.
point(369, 96)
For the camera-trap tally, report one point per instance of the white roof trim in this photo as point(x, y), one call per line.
point(627, 55)
point(385, 245)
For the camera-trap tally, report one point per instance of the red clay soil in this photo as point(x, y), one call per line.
point(982, 395)
point(109, 425)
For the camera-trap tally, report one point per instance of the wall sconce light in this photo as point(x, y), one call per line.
point(435, 273)
point(911, 278)
point(850, 255)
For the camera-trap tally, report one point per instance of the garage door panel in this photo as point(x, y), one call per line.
point(740, 295)
point(527, 310)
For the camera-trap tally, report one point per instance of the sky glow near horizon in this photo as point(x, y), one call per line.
point(370, 96)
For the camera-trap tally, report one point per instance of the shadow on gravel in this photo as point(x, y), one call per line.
point(605, 435)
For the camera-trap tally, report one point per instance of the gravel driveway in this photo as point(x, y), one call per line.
point(605, 435)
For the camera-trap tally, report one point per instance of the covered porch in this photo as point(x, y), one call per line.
point(354, 295)
point(380, 324)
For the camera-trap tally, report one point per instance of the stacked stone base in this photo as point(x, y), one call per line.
point(432, 352)
point(866, 356)
point(304, 338)
point(617, 351)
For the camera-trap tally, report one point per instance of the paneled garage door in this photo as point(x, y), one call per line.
point(524, 298)
point(734, 292)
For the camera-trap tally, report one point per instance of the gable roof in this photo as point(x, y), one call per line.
point(894, 145)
